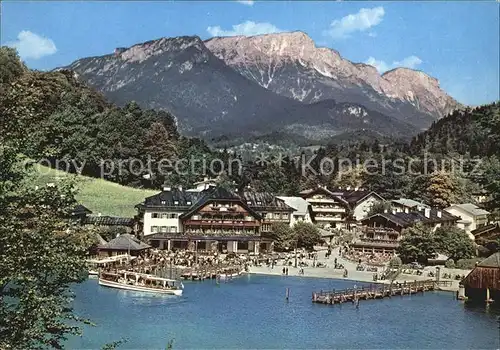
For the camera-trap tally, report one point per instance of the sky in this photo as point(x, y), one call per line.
point(455, 42)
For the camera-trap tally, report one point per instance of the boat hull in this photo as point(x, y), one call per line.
point(111, 284)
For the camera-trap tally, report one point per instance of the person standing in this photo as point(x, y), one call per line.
point(286, 271)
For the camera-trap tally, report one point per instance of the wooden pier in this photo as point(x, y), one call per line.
point(374, 291)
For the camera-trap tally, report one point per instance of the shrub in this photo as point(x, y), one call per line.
point(450, 264)
point(395, 262)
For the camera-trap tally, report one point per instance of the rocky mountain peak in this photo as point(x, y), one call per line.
point(143, 51)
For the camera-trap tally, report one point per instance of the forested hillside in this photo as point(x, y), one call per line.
point(473, 131)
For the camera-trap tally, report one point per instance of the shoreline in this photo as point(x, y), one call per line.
point(354, 276)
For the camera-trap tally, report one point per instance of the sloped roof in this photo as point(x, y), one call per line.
point(327, 192)
point(218, 193)
point(410, 203)
point(80, 210)
point(479, 231)
point(470, 208)
point(184, 199)
point(108, 221)
point(300, 205)
point(125, 242)
point(491, 261)
point(265, 200)
point(407, 219)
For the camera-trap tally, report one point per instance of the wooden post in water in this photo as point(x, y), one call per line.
point(287, 294)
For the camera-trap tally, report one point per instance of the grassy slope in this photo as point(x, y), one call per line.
point(100, 196)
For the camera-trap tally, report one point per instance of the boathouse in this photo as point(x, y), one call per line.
point(483, 283)
point(123, 244)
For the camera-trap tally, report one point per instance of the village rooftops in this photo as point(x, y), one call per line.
point(470, 209)
point(404, 220)
point(300, 205)
point(187, 200)
point(487, 230)
point(265, 201)
point(410, 203)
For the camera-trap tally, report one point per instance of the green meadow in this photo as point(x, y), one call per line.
point(100, 196)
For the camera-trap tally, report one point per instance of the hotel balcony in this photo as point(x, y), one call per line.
point(223, 223)
point(321, 200)
point(318, 209)
point(329, 218)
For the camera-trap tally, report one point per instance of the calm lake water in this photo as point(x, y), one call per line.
point(251, 312)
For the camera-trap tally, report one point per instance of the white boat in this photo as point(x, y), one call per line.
point(140, 282)
point(228, 276)
point(94, 265)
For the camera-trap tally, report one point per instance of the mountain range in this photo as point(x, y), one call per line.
point(246, 87)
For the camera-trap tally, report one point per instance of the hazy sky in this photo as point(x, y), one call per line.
point(456, 42)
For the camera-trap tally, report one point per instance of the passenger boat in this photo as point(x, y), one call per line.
point(95, 265)
point(140, 282)
point(230, 275)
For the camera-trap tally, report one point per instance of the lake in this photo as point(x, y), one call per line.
point(251, 312)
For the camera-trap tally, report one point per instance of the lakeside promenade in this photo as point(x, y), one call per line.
point(353, 275)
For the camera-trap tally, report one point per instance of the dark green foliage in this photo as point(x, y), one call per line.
point(454, 242)
point(307, 235)
point(473, 131)
point(283, 236)
point(417, 245)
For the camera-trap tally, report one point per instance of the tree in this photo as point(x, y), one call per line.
point(440, 189)
point(307, 235)
point(454, 242)
point(379, 208)
point(417, 244)
point(283, 236)
point(11, 66)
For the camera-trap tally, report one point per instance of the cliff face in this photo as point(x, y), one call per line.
point(290, 64)
point(250, 86)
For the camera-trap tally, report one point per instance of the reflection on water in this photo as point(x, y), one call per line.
point(251, 312)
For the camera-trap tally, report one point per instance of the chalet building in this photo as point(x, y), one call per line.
point(407, 205)
point(213, 217)
point(360, 201)
point(471, 216)
point(271, 209)
point(381, 232)
point(327, 210)
point(340, 208)
point(483, 283)
point(301, 209)
point(377, 240)
point(397, 221)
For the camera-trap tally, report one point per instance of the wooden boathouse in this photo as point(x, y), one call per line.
point(483, 283)
point(375, 291)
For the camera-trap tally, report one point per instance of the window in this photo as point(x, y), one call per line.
point(163, 202)
point(164, 229)
point(249, 202)
point(284, 216)
point(176, 202)
point(154, 229)
point(188, 202)
point(259, 203)
point(173, 216)
point(264, 215)
point(165, 215)
point(155, 215)
point(277, 216)
point(173, 229)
